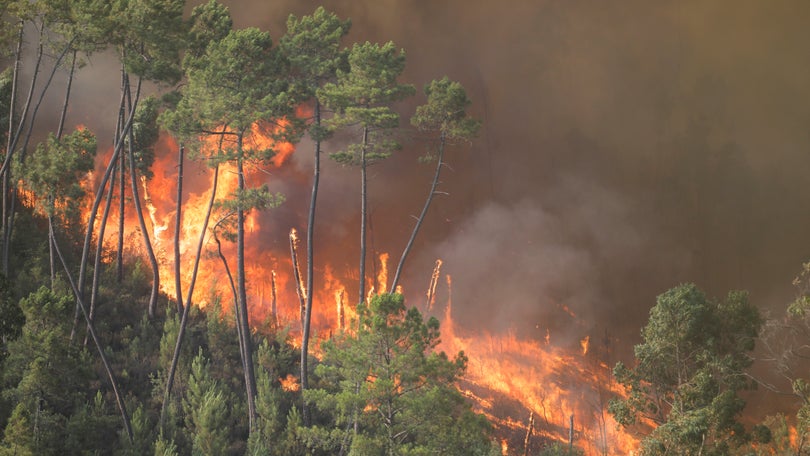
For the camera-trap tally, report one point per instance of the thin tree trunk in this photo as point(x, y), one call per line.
point(250, 378)
point(422, 215)
point(88, 236)
point(63, 116)
point(118, 396)
point(178, 220)
point(24, 149)
point(363, 214)
point(122, 166)
point(97, 260)
point(237, 311)
point(316, 176)
point(5, 169)
point(184, 319)
point(141, 221)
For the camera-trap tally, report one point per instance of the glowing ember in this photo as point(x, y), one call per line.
point(289, 383)
point(584, 344)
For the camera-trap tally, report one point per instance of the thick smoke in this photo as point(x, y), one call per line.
point(627, 147)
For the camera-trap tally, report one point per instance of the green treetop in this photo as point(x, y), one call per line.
point(689, 371)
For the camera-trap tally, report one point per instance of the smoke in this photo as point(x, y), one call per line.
point(627, 147)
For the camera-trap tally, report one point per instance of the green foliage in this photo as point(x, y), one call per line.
point(446, 111)
point(43, 375)
point(559, 449)
point(151, 34)
point(145, 134)
point(237, 82)
point(312, 46)
point(689, 371)
point(362, 97)
point(388, 382)
point(209, 23)
point(55, 171)
point(207, 411)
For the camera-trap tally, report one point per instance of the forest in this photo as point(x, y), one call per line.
point(113, 344)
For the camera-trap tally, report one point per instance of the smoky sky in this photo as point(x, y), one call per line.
point(626, 147)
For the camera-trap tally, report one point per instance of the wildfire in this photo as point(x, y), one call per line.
point(528, 377)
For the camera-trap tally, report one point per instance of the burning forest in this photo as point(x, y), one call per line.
point(239, 228)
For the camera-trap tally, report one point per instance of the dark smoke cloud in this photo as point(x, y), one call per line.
point(627, 147)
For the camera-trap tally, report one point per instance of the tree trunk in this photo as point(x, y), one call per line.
point(142, 223)
point(316, 176)
point(99, 250)
point(88, 235)
point(184, 319)
point(250, 378)
point(422, 215)
point(5, 169)
point(363, 212)
point(63, 116)
point(178, 220)
point(119, 399)
point(119, 258)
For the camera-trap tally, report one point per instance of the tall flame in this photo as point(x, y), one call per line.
point(544, 381)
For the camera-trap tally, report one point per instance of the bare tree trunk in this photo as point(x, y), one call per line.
point(422, 215)
point(122, 165)
point(118, 396)
point(316, 176)
point(63, 116)
point(250, 378)
point(178, 220)
point(186, 309)
point(139, 211)
point(363, 215)
point(5, 169)
point(97, 260)
point(88, 236)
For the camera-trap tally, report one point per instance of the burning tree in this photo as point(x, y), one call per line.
point(386, 390)
point(362, 97)
point(445, 114)
point(312, 44)
point(237, 82)
point(689, 371)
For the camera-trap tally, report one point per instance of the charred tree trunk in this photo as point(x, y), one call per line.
point(300, 291)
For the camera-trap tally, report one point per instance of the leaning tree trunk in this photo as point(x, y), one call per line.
point(422, 215)
point(24, 148)
point(250, 378)
point(142, 222)
point(119, 399)
point(184, 319)
point(14, 136)
point(88, 235)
